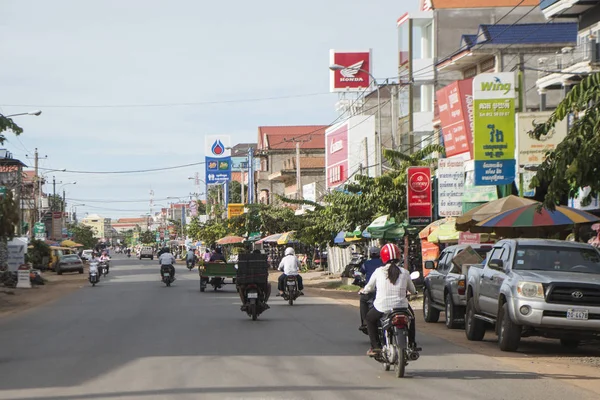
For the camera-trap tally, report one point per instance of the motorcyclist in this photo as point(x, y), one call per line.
point(392, 283)
point(291, 267)
point(167, 260)
point(366, 300)
point(190, 258)
point(265, 287)
point(94, 260)
point(104, 258)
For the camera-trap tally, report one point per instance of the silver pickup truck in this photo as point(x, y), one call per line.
point(535, 287)
point(445, 286)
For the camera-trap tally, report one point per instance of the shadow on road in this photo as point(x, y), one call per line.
point(467, 375)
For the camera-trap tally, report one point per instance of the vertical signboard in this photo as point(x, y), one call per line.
point(533, 151)
point(494, 126)
point(56, 225)
point(418, 196)
point(336, 156)
point(354, 76)
point(451, 182)
point(217, 153)
point(455, 103)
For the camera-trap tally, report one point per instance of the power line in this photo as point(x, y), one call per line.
point(126, 172)
point(122, 201)
point(257, 99)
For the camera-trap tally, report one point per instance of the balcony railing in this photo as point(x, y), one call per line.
point(588, 52)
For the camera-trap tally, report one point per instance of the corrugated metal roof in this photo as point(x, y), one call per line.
point(527, 33)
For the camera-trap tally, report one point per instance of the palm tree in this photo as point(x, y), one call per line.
point(9, 219)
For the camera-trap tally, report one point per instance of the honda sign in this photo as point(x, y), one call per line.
point(355, 76)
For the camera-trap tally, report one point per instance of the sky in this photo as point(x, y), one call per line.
point(114, 80)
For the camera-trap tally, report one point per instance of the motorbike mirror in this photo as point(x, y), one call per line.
point(415, 275)
point(357, 273)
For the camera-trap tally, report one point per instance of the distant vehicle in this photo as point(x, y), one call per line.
point(146, 252)
point(56, 253)
point(445, 286)
point(87, 255)
point(69, 262)
point(535, 287)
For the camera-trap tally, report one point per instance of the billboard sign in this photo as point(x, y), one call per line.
point(218, 170)
point(533, 151)
point(455, 103)
point(419, 196)
point(451, 186)
point(336, 156)
point(217, 146)
point(354, 77)
point(494, 126)
point(234, 210)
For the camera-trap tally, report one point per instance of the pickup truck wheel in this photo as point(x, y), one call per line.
point(430, 314)
point(509, 333)
point(452, 312)
point(569, 343)
point(474, 328)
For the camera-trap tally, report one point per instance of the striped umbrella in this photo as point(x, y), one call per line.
point(270, 239)
point(529, 217)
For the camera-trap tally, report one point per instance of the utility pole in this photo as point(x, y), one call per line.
point(298, 169)
point(53, 207)
point(64, 201)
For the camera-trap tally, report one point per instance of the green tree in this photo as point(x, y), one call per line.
point(56, 202)
point(212, 231)
point(147, 237)
point(9, 219)
point(193, 228)
point(574, 162)
point(36, 253)
point(7, 124)
point(84, 234)
point(235, 195)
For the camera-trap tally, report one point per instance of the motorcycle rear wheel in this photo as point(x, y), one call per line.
point(253, 311)
point(400, 362)
point(386, 366)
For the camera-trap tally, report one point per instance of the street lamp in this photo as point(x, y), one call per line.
point(34, 112)
point(64, 194)
point(338, 67)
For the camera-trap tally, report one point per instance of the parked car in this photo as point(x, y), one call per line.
point(56, 253)
point(146, 252)
point(445, 286)
point(86, 255)
point(535, 287)
point(69, 262)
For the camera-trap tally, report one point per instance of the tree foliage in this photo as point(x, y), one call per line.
point(147, 237)
point(9, 216)
point(576, 160)
point(7, 124)
point(84, 234)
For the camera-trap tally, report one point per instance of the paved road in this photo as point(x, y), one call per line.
point(133, 338)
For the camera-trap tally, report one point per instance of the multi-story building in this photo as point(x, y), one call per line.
point(124, 224)
point(276, 150)
point(429, 35)
point(559, 72)
point(102, 226)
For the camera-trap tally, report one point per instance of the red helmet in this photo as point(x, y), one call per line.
point(390, 252)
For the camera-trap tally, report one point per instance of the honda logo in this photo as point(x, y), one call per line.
point(577, 294)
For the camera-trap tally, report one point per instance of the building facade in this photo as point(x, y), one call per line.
point(102, 226)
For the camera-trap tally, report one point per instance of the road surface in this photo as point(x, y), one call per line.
point(131, 337)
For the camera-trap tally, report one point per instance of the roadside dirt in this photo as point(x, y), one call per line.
point(14, 301)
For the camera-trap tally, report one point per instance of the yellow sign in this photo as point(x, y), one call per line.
point(235, 210)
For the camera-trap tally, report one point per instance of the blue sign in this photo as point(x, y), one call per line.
point(497, 172)
point(218, 170)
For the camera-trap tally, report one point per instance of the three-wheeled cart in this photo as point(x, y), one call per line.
point(215, 273)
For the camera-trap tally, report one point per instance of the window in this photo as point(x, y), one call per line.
point(496, 254)
point(443, 260)
point(546, 258)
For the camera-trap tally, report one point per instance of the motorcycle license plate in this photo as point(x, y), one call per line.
point(577, 314)
point(166, 274)
point(291, 283)
point(253, 295)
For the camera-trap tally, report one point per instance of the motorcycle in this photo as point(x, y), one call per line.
point(394, 337)
point(166, 273)
point(190, 264)
point(360, 279)
point(255, 301)
point(128, 255)
point(103, 267)
point(291, 291)
point(94, 276)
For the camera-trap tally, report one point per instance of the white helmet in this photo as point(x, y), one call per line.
point(289, 251)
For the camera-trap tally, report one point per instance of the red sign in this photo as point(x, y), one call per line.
point(469, 238)
point(418, 195)
point(354, 76)
point(336, 155)
point(455, 103)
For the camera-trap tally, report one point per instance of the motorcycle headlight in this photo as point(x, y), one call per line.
point(531, 289)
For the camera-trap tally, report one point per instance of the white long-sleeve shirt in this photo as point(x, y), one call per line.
point(290, 265)
point(166, 259)
point(388, 295)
